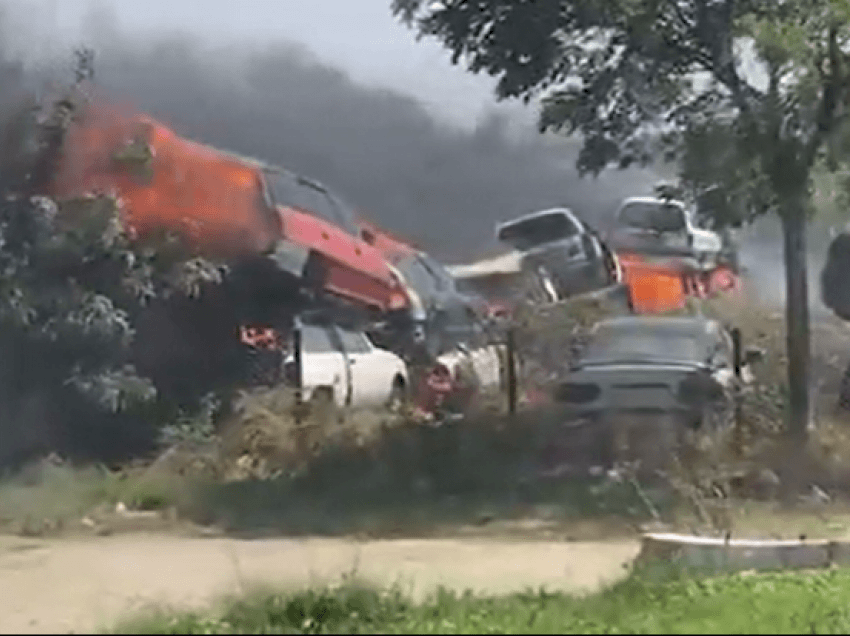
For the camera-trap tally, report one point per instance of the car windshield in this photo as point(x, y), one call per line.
point(646, 215)
point(442, 278)
point(527, 234)
point(615, 345)
point(292, 191)
point(418, 276)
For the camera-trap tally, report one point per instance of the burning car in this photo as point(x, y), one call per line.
point(660, 375)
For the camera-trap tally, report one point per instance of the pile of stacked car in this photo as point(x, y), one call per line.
point(369, 308)
point(367, 314)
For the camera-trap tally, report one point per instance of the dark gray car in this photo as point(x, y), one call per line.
point(685, 369)
point(448, 317)
point(563, 249)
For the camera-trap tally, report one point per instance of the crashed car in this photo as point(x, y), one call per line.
point(567, 253)
point(660, 375)
point(440, 317)
point(662, 227)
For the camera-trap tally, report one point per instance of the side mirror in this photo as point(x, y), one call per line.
point(753, 355)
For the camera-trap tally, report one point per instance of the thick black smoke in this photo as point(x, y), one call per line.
point(439, 185)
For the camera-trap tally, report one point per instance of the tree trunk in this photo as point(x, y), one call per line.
point(797, 320)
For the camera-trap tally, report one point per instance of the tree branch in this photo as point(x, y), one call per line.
point(713, 19)
point(830, 111)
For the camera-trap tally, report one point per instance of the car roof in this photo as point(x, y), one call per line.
point(651, 200)
point(536, 215)
point(697, 326)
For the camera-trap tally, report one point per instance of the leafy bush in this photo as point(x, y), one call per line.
point(72, 288)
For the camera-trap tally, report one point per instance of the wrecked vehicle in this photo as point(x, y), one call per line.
point(555, 256)
point(222, 205)
point(445, 317)
point(390, 245)
point(661, 227)
point(656, 376)
point(287, 242)
point(341, 365)
point(570, 256)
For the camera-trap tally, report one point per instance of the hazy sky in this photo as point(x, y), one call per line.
point(360, 36)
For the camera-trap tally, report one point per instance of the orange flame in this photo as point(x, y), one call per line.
point(212, 199)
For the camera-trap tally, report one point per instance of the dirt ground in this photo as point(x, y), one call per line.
point(81, 585)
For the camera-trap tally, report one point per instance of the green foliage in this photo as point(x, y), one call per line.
point(643, 79)
point(73, 285)
point(741, 604)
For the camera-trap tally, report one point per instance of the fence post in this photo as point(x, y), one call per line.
point(738, 436)
point(299, 371)
point(512, 379)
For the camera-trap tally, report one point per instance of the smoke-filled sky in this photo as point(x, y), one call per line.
point(337, 90)
point(360, 36)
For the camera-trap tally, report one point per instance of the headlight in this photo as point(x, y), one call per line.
point(576, 393)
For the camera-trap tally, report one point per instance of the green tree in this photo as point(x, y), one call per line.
point(749, 95)
point(72, 289)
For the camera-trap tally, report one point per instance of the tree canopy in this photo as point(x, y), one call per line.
point(631, 76)
point(747, 95)
point(72, 289)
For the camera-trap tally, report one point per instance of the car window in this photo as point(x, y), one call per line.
point(653, 215)
point(316, 340)
point(645, 345)
point(292, 191)
point(417, 275)
point(354, 341)
point(443, 280)
point(346, 214)
point(530, 233)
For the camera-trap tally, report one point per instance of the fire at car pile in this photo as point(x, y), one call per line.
point(319, 298)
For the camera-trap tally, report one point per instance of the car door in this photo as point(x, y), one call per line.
point(322, 363)
point(573, 240)
point(454, 315)
point(372, 376)
point(674, 220)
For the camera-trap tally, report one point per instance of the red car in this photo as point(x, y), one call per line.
point(224, 205)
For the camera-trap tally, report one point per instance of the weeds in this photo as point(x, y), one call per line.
point(773, 603)
point(52, 497)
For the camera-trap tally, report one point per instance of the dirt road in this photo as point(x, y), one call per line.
point(84, 584)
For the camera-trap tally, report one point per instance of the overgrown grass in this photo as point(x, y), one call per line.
point(414, 480)
point(49, 497)
point(418, 479)
point(770, 604)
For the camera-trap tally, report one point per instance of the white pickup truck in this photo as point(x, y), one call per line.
point(663, 227)
point(345, 366)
